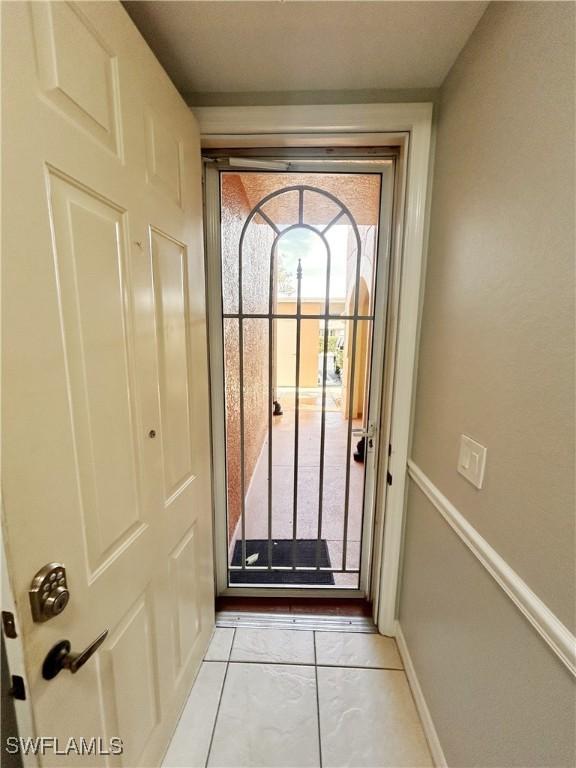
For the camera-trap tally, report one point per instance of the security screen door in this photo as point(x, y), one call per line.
point(303, 271)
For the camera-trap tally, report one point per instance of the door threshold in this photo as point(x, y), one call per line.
point(303, 621)
point(325, 614)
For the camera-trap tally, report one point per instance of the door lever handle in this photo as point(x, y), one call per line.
point(60, 657)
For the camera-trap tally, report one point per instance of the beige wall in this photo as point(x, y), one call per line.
point(497, 695)
point(497, 363)
point(309, 347)
point(286, 345)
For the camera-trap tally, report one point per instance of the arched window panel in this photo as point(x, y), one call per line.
point(283, 210)
point(319, 210)
point(340, 209)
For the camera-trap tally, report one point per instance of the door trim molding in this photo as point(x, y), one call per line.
point(547, 624)
point(407, 125)
point(219, 123)
point(15, 654)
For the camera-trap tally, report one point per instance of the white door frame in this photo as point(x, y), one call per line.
point(15, 655)
point(408, 126)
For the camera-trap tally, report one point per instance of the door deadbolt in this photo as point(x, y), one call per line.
point(48, 592)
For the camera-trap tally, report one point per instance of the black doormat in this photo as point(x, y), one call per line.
point(282, 551)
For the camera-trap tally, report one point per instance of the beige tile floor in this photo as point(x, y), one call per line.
point(336, 435)
point(272, 697)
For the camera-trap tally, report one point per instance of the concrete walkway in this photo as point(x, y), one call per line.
point(336, 433)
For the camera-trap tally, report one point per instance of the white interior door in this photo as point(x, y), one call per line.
point(105, 387)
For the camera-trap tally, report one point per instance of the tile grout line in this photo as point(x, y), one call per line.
point(317, 698)
point(219, 701)
point(305, 664)
point(315, 664)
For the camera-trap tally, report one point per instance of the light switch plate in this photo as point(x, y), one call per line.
point(472, 460)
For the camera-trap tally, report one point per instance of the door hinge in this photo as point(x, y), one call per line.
point(388, 478)
point(9, 625)
point(18, 689)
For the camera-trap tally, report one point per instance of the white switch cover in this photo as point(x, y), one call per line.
point(472, 460)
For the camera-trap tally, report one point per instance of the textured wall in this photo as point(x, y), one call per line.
point(286, 345)
point(497, 363)
point(255, 281)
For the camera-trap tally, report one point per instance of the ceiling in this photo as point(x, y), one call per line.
point(235, 46)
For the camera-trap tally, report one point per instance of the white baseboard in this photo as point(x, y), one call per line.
point(420, 701)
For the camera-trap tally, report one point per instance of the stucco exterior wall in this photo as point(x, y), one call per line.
point(255, 282)
point(286, 345)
